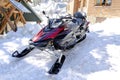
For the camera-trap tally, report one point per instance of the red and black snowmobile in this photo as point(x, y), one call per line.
point(60, 34)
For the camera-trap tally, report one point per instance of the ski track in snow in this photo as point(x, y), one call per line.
point(95, 58)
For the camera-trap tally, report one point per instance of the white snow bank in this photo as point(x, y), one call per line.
point(106, 27)
point(52, 9)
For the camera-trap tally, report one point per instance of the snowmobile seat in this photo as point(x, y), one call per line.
point(81, 15)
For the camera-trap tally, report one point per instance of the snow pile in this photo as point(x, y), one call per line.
point(52, 9)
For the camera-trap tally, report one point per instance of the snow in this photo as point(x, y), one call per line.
point(95, 58)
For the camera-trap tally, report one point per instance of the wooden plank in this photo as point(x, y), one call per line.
point(4, 2)
point(6, 19)
point(82, 2)
point(7, 5)
point(22, 18)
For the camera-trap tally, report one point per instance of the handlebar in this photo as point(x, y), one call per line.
point(67, 17)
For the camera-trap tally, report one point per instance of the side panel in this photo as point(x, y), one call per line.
point(53, 33)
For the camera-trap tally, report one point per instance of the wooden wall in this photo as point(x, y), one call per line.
point(104, 11)
point(3, 2)
point(73, 6)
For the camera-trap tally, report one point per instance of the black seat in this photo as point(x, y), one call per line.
point(81, 15)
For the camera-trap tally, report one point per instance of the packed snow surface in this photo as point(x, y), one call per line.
point(95, 58)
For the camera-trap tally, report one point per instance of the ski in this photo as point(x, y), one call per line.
point(57, 65)
point(23, 53)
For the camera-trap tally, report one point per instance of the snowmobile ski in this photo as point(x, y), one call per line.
point(57, 65)
point(23, 53)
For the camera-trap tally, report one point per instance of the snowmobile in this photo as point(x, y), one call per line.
point(60, 34)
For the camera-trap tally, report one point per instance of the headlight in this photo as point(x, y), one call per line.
point(39, 43)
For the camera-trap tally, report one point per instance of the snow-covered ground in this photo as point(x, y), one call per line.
point(95, 58)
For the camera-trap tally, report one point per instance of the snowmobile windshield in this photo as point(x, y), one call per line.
point(56, 23)
point(53, 23)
